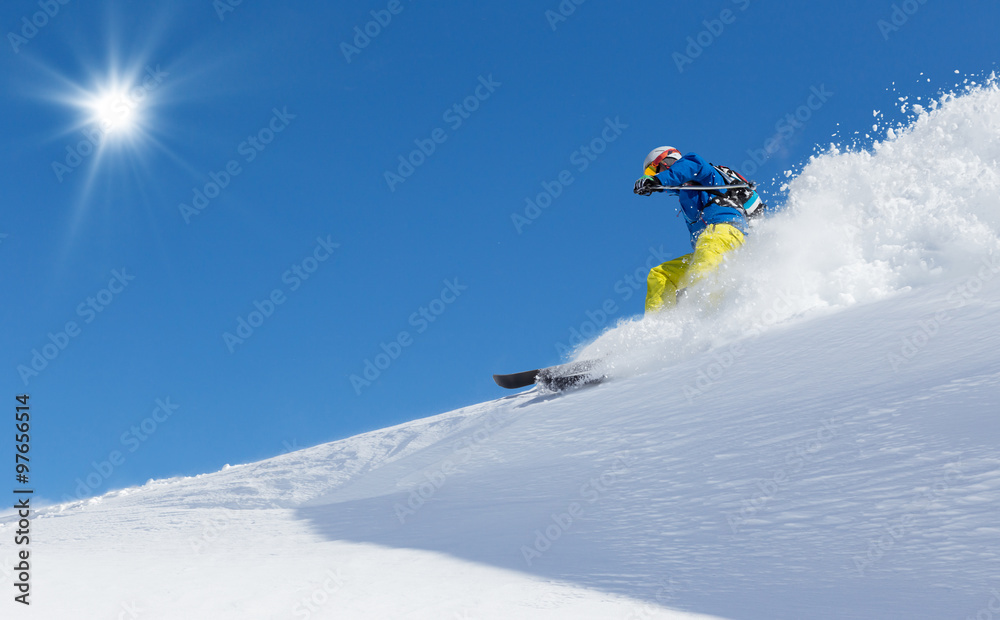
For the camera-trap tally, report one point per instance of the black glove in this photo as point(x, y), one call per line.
point(645, 185)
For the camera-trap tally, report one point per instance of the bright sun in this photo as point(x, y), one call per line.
point(112, 119)
point(115, 111)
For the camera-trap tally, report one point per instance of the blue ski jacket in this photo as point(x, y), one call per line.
point(698, 208)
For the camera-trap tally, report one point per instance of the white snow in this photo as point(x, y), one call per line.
point(820, 443)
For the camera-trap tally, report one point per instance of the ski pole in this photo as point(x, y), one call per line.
point(697, 188)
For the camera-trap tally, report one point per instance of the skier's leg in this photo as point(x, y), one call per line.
point(661, 285)
point(709, 251)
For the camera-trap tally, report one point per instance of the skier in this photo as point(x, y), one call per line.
point(717, 203)
point(717, 218)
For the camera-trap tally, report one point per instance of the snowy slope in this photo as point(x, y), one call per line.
point(820, 442)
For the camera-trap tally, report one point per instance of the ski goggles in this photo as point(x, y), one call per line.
point(662, 162)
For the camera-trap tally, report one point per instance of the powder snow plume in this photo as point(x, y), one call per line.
point(858, 224)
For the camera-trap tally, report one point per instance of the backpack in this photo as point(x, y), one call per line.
point(745, 199)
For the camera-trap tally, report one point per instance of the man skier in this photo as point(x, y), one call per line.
point(717, 218)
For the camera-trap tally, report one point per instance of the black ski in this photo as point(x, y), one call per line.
point(555, 378)
point(517, 380)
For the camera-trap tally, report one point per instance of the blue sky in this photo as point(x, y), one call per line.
point(287, 127)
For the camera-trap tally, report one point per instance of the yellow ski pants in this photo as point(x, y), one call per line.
point(666, 281)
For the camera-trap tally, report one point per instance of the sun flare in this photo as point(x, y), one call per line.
point(115, 111)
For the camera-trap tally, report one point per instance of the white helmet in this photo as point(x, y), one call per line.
point(659, 159)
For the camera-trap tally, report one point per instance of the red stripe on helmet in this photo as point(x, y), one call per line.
point(665, 154)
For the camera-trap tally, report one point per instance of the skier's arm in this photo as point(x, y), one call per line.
point(690, 168)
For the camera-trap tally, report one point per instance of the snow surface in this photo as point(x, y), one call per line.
point(818, 441)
